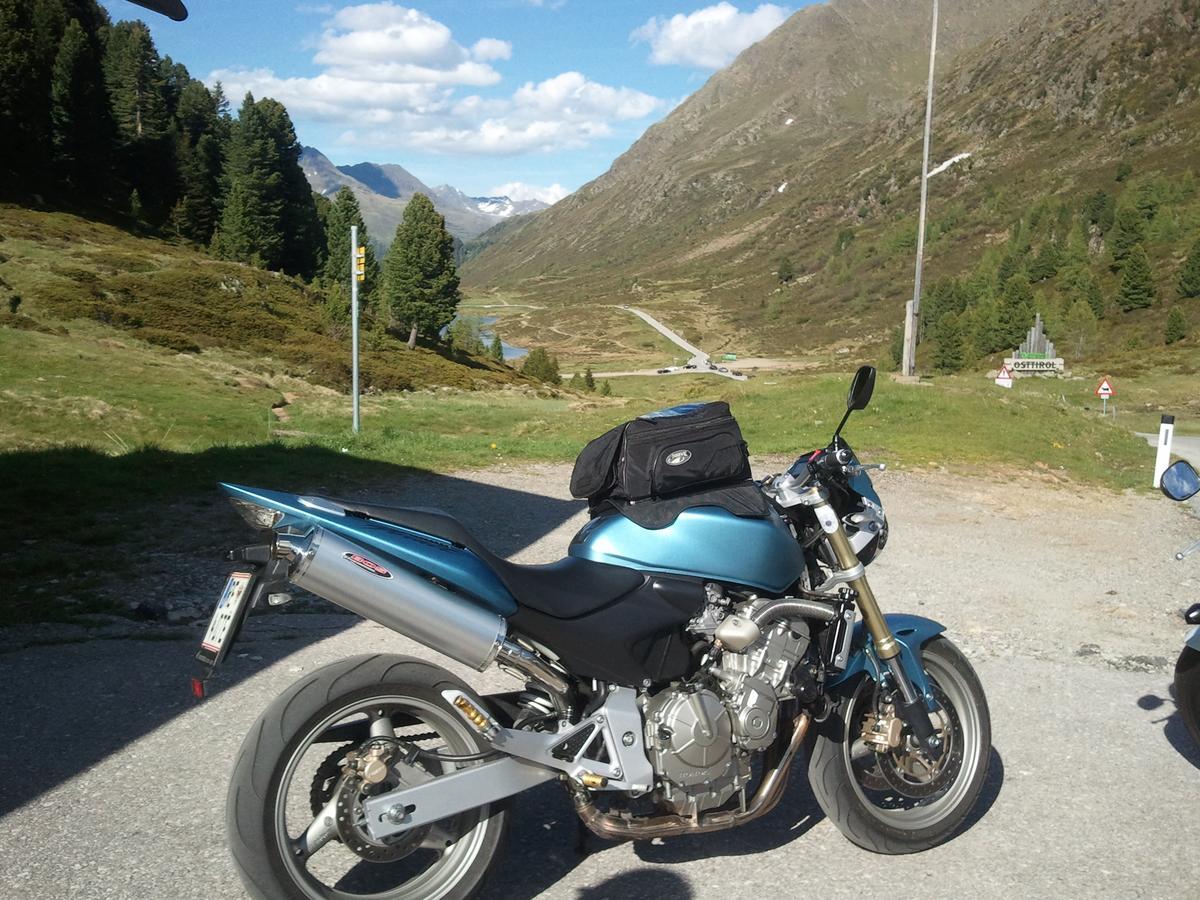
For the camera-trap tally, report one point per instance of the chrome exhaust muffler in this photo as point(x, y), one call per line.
point(351, 576)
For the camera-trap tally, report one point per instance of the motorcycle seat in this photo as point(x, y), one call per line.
point(567, 589)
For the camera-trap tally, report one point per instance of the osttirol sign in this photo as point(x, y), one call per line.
point(1036, 355)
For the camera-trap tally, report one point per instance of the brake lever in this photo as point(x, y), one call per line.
point(858, 468)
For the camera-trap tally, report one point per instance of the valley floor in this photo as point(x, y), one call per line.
point(1066, 598)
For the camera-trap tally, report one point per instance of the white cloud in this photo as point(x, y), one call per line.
point(710, 37)
point(391, 77)
point(519, 190)
point(486, 49)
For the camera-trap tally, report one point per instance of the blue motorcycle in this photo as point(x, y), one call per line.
point(702, 628)
point(1180, 482)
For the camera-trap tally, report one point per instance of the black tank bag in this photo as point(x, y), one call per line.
point(663, 454)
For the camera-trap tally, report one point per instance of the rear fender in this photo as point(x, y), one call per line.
point(912, 633)
point(1193, 639)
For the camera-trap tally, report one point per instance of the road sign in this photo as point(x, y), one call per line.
point(1105, 389)
point(1004, 378)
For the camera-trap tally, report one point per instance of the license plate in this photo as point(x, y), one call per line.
point(226, 618)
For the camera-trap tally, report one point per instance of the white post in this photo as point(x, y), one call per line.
point(913, 311)
point(1166, 431)
point(354, 319)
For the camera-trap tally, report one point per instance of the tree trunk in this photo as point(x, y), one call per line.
point(412, 338)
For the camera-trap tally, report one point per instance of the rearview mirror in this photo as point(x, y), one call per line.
point(1180, 481)
point(172, 9)
point(861, 388)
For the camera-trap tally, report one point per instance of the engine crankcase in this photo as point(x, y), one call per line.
point(690, 736)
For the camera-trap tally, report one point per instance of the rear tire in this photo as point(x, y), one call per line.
point(865, 803)
point(261, 788)
point(1187, 690)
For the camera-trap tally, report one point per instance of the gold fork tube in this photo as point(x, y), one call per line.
point(885, 642)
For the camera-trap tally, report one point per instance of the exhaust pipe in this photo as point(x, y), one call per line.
point(348, 574)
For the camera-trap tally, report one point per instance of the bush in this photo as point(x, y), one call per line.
point(1176, 329)
point(541, 365)
point(172, 340)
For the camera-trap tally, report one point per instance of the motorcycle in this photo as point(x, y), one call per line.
point(1180, 482)
point(669, 675)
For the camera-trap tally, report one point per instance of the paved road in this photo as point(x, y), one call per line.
point(1184, 446)
point(697, 357)
point(113, 779)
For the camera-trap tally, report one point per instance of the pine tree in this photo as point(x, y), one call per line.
point(605, 388)
point(80, 129)
point(786, 271)
point(896, 348)
point(252, 225)
point(303, 251)
point(144, 127)
point(24, 116)
point(589, 380)
point(1189, 275)
point(343, 213)
point(541, 365)
point(1046, 263)
point(1176, 329)
point(496, 348)
point(575, 383)
point(948, 344)
point(1015, 312)
point(201, 153)
point(1129, 231)
point(1137, 282)
point(463, 334)
point(1099, 209)
point(1080, 327)
point(420, 281)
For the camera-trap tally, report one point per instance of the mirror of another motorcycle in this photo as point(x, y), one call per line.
point(861, 389)
point(1180, 481)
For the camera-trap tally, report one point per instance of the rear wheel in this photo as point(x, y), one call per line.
point(1187, 690)
point(295, 820)
point(901, 800)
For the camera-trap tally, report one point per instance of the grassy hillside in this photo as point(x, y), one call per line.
point(1077, 98)
point(65, 268)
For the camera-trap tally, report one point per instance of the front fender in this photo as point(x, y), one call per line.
point(1193, 639)
point(912, 633)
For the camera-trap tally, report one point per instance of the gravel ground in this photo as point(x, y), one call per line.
point(1067, 600)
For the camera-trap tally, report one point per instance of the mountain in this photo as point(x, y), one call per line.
point(807, 148)
point(383, 190)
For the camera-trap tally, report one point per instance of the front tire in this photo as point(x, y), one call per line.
point(291, 761)
point(1187, 690)
point(898, 802)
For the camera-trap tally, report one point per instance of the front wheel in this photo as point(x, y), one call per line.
point(1187, 690)
point(296, 827)
point(897, 799)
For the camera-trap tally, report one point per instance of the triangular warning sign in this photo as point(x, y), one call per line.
point(1105, 389)
point(1004, 377)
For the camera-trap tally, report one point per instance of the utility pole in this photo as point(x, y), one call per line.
point(358, 262)
point(912, 309)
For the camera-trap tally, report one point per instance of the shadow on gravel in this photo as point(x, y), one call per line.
point(988, 795)
point(89, 699)
point(1174, 729)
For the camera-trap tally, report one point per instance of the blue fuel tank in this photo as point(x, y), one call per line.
point(703, 542)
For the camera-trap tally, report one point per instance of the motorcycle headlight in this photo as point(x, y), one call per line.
point(258, 516)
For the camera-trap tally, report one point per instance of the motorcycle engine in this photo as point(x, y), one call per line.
point(702, 734)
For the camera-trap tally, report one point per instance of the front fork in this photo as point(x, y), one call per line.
point(913, 709)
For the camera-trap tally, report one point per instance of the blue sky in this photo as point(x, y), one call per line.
point(535, 97)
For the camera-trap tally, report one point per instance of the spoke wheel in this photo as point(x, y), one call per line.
point(311, 839)
point(902, 800)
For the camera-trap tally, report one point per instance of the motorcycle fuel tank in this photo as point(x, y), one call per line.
point(703, 542)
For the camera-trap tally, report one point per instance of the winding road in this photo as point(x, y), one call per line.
point(697, 357)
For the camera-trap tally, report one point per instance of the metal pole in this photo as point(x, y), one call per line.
point(909, 365)
point(354, 319)
point(1166, 431)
